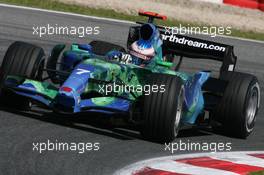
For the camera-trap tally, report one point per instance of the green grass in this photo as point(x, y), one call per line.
point(258, 173)
point(59, 6)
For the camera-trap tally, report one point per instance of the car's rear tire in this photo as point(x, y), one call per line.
point(237, 110)
point(102, 47)
point(21, 59)
point(162, 111)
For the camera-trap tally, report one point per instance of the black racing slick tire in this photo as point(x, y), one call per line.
point(237, 110)
point(102, 47)
point(22, 59)
point(163, 109)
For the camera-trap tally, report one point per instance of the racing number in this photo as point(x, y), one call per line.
point(82, 71)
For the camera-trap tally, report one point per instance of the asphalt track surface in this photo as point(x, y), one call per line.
point(118, 147)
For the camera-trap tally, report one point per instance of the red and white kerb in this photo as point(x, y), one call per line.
point(228, 163)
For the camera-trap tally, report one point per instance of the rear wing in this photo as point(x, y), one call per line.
point(198, 48)
point(190, 47)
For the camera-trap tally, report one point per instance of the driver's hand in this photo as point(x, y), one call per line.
point(114, 55)
point(126, 58)
point(119, 56)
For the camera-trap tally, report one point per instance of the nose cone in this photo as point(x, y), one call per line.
point(69, 94)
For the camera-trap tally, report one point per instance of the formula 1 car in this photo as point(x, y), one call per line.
point(160, 98)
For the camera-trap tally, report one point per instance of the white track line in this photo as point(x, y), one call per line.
point(109, 19)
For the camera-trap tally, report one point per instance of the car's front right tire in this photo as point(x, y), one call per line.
point(24, 60)
point(162, 110)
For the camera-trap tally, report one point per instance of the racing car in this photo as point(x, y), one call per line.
point(159, 98)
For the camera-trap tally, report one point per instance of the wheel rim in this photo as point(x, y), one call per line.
point(252, 107)
point(178, 112)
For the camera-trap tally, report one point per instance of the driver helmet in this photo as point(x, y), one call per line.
point(142, 50)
